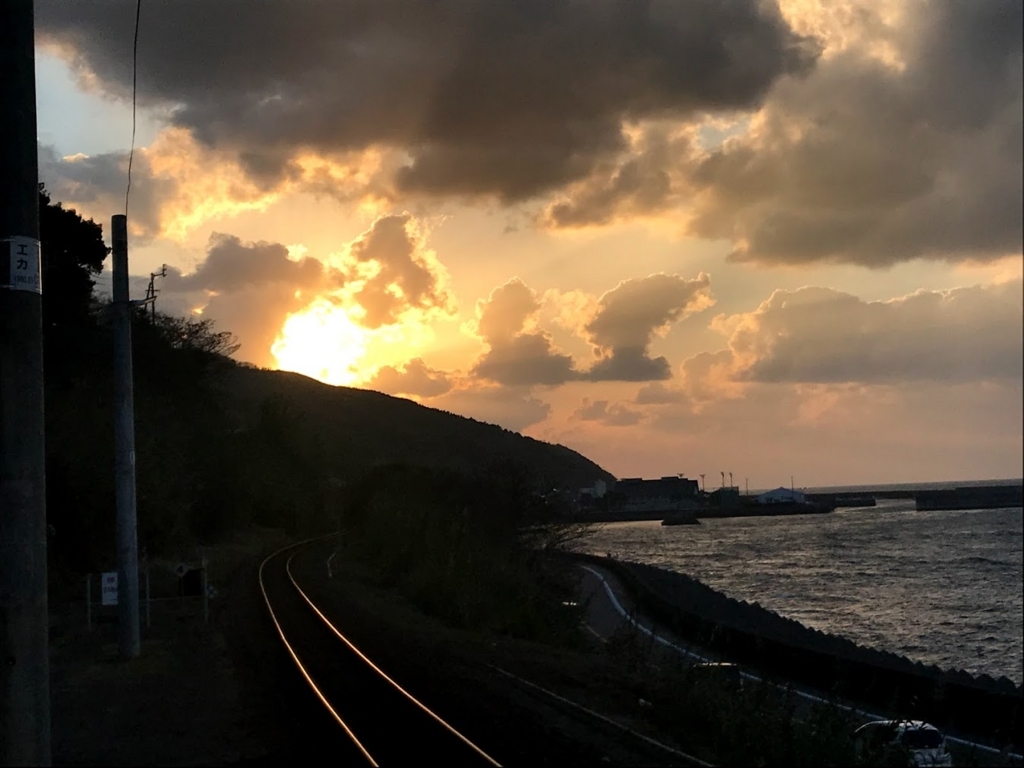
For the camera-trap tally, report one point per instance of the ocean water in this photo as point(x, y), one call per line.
point(943, 587)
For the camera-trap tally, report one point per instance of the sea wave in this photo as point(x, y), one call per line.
point(942, 587)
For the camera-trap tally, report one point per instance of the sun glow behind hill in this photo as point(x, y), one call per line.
point(327, 341)
point(322, 341)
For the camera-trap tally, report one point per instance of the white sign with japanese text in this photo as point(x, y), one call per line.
point(24, 265)
point(108, 588)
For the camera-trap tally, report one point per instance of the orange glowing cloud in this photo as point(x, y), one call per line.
point(180, 184)
point(336, 318)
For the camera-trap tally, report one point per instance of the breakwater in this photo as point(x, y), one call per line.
point(744, 509)
point(753, 509)
point(986, 497)
point(979, 496)
point(981, 706)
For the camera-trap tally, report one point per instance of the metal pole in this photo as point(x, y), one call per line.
point(148, 622)
point(88, 602)
point(124, 448)
point(24, 648)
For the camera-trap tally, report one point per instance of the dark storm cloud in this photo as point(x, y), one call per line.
point(895, 165)
point(231, 265)
point(509, 99)
point(628, 317)
point(859, 162)
point(637, 185)
point(516, 356)
point(97, 183)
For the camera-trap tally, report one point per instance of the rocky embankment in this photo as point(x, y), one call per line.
point(953, 699)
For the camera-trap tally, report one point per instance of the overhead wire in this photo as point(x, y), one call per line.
point(135, 76)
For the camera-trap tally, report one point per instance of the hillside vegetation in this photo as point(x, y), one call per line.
point(222, 445)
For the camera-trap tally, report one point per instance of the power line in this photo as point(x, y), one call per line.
point(135, 76)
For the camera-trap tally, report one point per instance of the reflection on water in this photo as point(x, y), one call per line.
point(941, 587)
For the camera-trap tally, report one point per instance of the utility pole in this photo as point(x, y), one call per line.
point(702, 481)
point(124, 449)
point(24, 621)
point(152, 291)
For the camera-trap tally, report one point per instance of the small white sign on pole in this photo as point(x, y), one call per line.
point(22, 271)
point(109, 588)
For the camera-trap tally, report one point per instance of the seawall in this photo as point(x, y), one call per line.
point(984, 707)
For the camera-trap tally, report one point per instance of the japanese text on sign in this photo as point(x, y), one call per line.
point(21, 271)
point(108, 588)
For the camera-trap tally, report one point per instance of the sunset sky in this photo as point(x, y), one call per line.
point(678, 237)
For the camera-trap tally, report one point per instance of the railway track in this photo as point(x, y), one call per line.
point(379, 722)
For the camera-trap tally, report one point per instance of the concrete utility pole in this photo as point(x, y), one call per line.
point(124, 449)
point(24, 625)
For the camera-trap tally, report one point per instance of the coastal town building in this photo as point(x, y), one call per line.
point(663, 494)
point(596, 491)
point(727, 497)
point(634, 495)
point(781, 495)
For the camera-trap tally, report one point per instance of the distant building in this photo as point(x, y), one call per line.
point(597, 491)
point(664, 494)
point(781, 495)
point(727, 497)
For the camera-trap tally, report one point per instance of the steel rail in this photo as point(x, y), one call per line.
point(437, 718)
point(351, 646)
point(298, 663)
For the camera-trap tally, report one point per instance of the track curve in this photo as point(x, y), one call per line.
point(379, 722)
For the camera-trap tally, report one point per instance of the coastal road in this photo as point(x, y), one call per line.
point(611, 611)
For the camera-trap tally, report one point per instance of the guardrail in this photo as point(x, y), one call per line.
point(989, 715)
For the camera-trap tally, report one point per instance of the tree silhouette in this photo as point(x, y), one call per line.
point(72, 255)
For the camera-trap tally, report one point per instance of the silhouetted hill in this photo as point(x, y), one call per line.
point(358, 429)
point(221, 446)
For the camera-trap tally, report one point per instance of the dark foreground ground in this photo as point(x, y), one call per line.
point(225, 692)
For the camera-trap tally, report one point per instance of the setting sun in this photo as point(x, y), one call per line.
point(323, 342)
